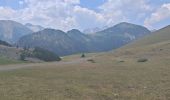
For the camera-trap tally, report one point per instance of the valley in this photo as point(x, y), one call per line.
point(84, 49)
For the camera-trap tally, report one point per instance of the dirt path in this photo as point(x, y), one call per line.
point(29, 65)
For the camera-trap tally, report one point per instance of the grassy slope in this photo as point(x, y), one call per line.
point(161, 35)
point(9, 55)
point(107, 79)
point(6, 61)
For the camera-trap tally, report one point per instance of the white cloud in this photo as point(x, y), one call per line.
point(87, 18)
point(6, 12)
point(125, 10)
point(72, 1)
point(68, 14)
point(159, 15)
point(50, 13)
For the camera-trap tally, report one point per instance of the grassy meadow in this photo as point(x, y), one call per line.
point(116, 75)
point(109, 78)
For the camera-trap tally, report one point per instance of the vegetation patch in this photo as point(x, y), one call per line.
point(41, 54)
point(142, 60)
point(5, 43)
point(83, 55)
point(5, 61)
point(91, 60)
point(121, 61)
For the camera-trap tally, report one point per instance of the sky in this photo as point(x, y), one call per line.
point(85, 14)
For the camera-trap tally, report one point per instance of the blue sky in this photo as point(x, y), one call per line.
point(83, 14)
point(91, 4)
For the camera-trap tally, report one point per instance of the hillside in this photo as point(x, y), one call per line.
point(9, 52)
point(153, 46)
point(159, 36)
point(53, 40)
point(118, 35)
point(11, 31)
point(81, 40)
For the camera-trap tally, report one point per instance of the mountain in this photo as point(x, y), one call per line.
point(11, 31)
point(53, 40)
point(126, 28)
point(93, 30)
point(81, 40)
point(34, 28)
point(57, 41)
point(118, 36)
point(75, 41)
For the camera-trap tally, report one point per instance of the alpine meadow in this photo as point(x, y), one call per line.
point(84, 50)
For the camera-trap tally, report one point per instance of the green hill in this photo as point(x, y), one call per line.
point(155, 45)
point(162, 35)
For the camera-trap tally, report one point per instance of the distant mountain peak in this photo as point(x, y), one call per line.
point(94, 30)
point(34, 28)
point(74, 31)
point(50, 31)
point(125, 25)
point(11, 31)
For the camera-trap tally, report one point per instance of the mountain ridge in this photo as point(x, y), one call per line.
point(74, 41)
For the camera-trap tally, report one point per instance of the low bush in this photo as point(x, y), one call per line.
point(39, 53)
point(83, 55)
point(91, 60)
point(122, 61)
point(142, 60)
point(45, 55)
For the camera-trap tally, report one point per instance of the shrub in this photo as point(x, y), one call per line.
point(45, 55)
point(121, 61)
point(22, 56)
point(142, 60)
point(5, 43)
point(83, 55)
point(91, 60)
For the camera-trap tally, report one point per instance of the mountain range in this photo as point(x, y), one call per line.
point(74, 41)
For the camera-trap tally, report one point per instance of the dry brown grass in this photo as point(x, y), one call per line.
point(113, 76)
